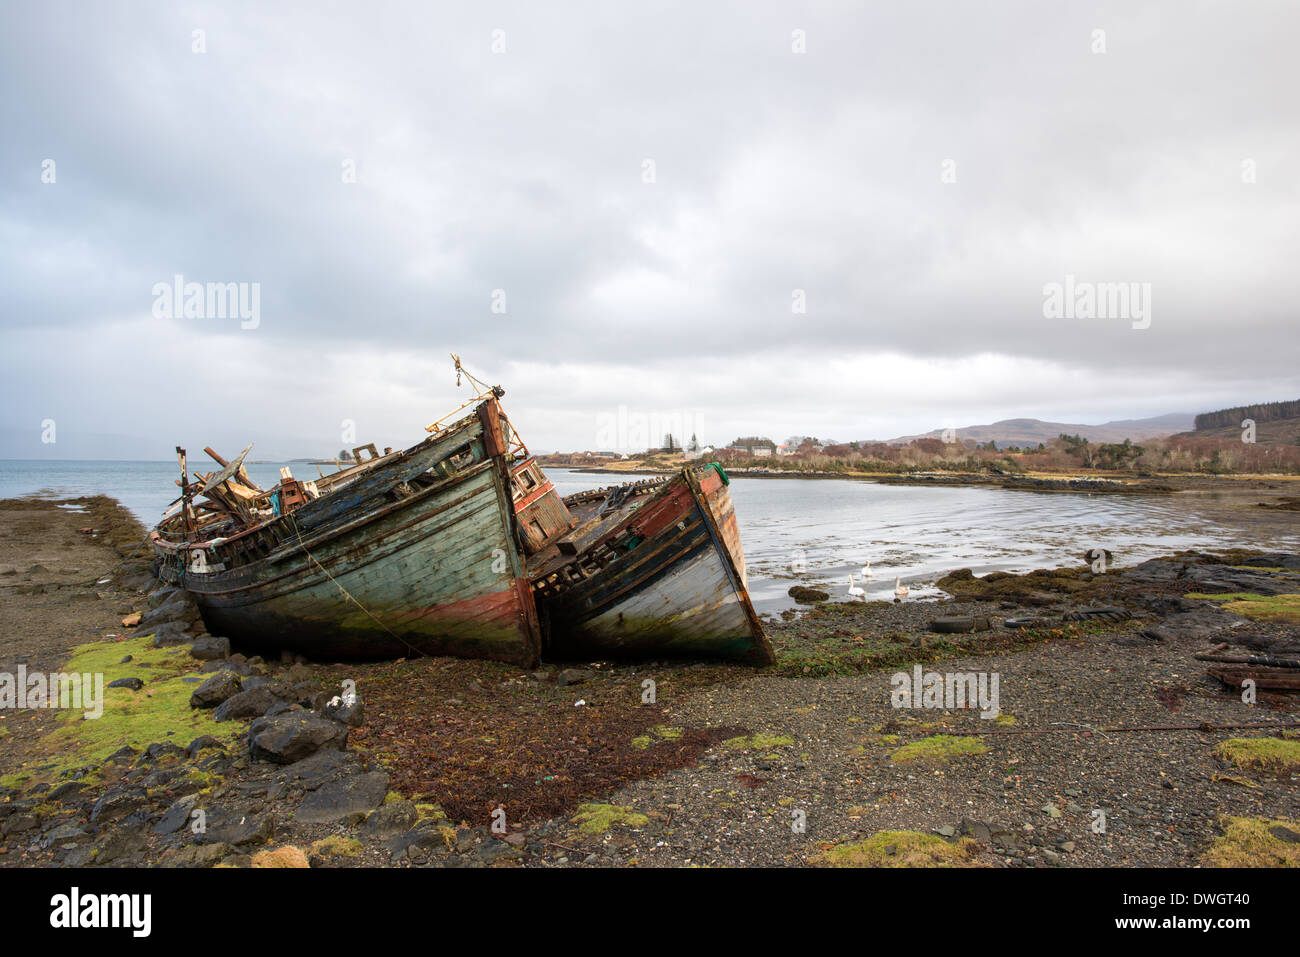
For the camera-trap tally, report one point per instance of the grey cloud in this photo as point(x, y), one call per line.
point(775, 172)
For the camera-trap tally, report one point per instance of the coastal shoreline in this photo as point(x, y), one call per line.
point(1276, 491)
point(619, 783)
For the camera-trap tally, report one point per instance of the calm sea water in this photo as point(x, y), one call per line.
point(810, 531)
point(818, 531)
point(146, 488)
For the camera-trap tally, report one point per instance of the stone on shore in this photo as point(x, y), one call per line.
point(179, 608)
point(390, 820)
point(210, 648)
point(222, 685)
point(170, 634)
point(235, 829)
point(349, 798)
point(245, 704)
point(293, 735)
point(177, 815)
point(117, 802)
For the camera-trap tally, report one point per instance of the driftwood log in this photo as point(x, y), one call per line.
point(1267, 661)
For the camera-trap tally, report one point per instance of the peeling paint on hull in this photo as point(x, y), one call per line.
point(679, 591)
point(437, 574)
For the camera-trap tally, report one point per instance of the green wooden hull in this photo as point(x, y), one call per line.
point(434, 572)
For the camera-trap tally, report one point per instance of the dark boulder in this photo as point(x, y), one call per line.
point(176, 816)
point(123, 755)
point(63, 834)
point(341, 800)
point(20, 824)
point(178, 608)
point(419, 841)
point(1283, 833)
point(236, 828)
point(68, 789)
point(196, 855)
point(117, 802)
point(120, 844)
point(201, 742)
point(170, 634)
point(322, 767)
point(245, 704)
point(135, 684)
point(1225, 579)
point(210, 648)
point(293, 735)
point(1287, 560)
point(1165, 605)
point(222, 685)
point(807, 596)
point(1157, 571)
point(1199, 624)
point(233, 664)
point(161, 749)
point(390, 820)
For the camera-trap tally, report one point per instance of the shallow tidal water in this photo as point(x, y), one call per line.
point(818, 531)
point(815, 531)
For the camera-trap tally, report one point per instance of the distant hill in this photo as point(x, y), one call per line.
point(1276, 423)
point(1033, 431)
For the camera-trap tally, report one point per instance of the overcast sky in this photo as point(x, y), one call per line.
point(643, 188)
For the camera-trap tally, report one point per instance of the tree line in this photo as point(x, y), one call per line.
point(1231, 418)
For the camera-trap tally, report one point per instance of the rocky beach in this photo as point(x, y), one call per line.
point(1110, 745)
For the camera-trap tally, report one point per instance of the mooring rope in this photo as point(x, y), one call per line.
point(347, 594)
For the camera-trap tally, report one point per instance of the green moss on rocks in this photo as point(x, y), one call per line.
point(335, 845)
point(900, 849)
point(1255, 842)
point(938, 749)
point(599, 818)
point(1279, 755)
point(160, 711)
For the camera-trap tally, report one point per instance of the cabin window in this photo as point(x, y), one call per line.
point(527, 478)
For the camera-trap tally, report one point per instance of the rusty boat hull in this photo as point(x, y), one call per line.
point(661, 575)
point(418, 556)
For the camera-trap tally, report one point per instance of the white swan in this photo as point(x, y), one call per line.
point(900, 590)
point(854, 590)
point(866, 571)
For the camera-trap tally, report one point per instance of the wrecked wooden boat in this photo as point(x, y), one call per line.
point(653, 568)
point(410, 552)
point(460, 545)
